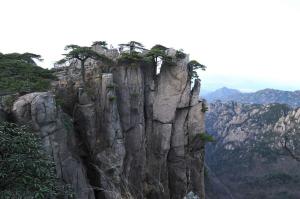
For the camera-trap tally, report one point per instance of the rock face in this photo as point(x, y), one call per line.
point(56, 130)
point(127, 132)
point(248, 159)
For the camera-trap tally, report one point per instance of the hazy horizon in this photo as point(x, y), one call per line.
point(205, 91)
point(246, 45)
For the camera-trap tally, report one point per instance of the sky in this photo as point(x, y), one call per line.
point(245, 44)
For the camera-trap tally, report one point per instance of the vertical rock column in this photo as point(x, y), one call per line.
point(195, 146)
point(130, 98)
point(98, 122)
point(166, 143)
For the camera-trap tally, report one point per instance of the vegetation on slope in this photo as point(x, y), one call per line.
point(25, 169)
point(248, 157)
point(20, 73)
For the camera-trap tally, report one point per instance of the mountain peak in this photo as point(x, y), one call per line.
point(264, 96)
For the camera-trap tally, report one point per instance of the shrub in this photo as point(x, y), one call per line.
point(204, 108)
point(25, 169)
point(206, 137)
point(130, 58)
point(180, 54)
point(8, 100)
point(112, 98)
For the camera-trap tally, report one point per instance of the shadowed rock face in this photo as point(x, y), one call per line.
point(2, 114)
point(130, 134)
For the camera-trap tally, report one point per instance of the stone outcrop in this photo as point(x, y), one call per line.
point(98, 125)
point(56, 131)
point(127, 132)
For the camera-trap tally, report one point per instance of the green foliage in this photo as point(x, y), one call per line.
point(261, 147)
point(272, 115)
point(25, 169)
point(133, 56)
point(204, 108)
point(159, 47)
point(133, 46)
point(206, 137)
point(82, 53)
point(59, 101)
point(168, 61)
point(180, 54)
point(157, 52)
point(194, 65)
point(273, 179)
point(112, 98)
point(67, 122)
point(19, 73)
point(130, 58)
point(25, 57)
point(103, 44)
point(8, 100)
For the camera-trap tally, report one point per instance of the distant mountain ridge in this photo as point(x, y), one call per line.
point(247, 160)
point(265, 96)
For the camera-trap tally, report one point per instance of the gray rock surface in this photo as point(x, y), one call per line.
point(133, 133)
point(167, 167)
point(99, 127)
point(56, 130)
point(129, 81)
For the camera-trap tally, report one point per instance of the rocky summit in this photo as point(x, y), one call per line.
point(124, 132)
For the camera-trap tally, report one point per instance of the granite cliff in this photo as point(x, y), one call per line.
point(126, 132)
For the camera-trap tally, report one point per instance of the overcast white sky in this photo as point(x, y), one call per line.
point(246, 44)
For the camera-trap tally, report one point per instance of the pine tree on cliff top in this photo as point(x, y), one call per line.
point(82, 54)
point(133, 46)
